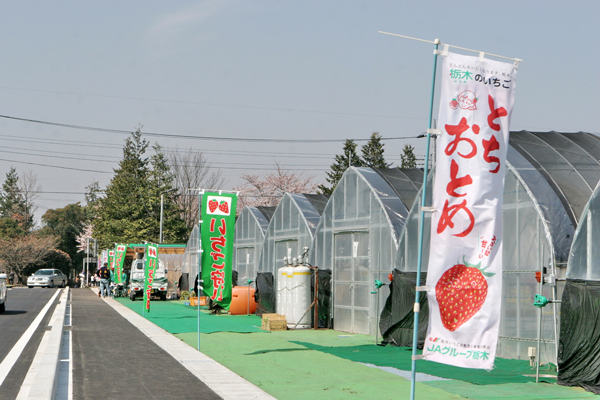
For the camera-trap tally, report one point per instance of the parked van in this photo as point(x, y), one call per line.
point(136, 286)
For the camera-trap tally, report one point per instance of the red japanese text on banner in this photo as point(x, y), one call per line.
point(465, 260)
point(120, 253)
point(217, 234)
point(149, 272)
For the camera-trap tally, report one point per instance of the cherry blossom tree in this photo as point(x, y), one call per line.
point(268, 190)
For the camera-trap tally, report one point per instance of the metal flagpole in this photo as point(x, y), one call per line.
point(199, 281)
point(421, 229)
point(424, 209)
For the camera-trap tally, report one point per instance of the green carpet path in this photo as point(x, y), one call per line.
point(176, 317)
point(327, 364)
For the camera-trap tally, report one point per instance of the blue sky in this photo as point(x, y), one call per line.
point(265, 69)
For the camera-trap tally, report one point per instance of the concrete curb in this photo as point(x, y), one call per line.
point(42, 377)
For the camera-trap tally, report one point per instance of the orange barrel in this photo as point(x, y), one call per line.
point(239, 300)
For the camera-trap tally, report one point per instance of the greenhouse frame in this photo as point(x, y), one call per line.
point(291, 229)
point(250, 228)
point(549, 178)
point(357, 239)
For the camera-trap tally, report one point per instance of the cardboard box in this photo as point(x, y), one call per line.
point(274, 322)
point(194, 301)
point(203, 301)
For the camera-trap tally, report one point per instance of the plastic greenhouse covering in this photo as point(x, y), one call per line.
point(189, 269)
point(548, 178)
point(290, 230)
point(250, 228)
point(579, 342)
point(357, 239)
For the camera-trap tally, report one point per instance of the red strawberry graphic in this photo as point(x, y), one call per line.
point(212, 205)
point(461, 292)
point(454, 104)
point(223, 206)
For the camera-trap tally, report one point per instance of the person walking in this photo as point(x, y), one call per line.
point(104, 275)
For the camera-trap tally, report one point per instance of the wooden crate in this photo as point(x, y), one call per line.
point(274, 322)
point(194, 301)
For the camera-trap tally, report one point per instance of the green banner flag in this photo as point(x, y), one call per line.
point(149, 271)
point(111, 264)
point(120, 253)
point(217, 234)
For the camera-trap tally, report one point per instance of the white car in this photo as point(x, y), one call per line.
point(3, 292)
point(47, 278)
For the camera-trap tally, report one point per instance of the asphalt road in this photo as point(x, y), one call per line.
point(22, 307)
point(112, 359)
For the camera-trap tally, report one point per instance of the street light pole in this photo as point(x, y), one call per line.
point(160, 235)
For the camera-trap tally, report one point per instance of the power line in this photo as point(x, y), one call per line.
point(213, 138)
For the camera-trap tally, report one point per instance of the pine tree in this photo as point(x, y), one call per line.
point(130, 210)
point(372, 153)
point(409, 160)
point(341, 164)
point(13, 203)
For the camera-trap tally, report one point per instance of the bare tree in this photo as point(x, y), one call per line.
point(192, 171)
point(267, 191)
point(22, 254)
point(30, 190)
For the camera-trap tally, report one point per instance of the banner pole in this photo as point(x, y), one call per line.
point(421, 228)
point(199, 258)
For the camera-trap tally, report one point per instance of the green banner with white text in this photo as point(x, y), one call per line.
point(120, 253)
point(149, 271)
point(217, 234)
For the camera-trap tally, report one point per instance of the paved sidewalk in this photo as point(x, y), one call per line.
point(113, 359)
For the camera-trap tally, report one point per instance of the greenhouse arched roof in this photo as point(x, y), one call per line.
point(570, 163)
point(405, 182)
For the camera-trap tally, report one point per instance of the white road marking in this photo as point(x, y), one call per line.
point(40, 383)
point(14, 354)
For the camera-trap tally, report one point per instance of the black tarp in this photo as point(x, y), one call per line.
point(579, 342)
point(397, 317)
point(324, 298)
point(264, 294)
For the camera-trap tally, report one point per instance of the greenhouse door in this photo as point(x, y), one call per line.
point(352, 282)
point(245, 265)
point(287, 248)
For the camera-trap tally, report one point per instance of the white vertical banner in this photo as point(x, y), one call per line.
point(464, 275)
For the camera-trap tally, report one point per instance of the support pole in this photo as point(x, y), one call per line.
point(421, 228)
point(160, 235)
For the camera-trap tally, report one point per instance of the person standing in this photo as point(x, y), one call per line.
point(104, 275)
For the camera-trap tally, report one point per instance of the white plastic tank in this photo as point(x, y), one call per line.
point(281, 301)
point(300, 297)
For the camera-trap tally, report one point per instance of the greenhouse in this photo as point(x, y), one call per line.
point(549, 178)
point(580, 338)
point(357, 239)
point(291, 229)
point(189, 267)
point(250, 228)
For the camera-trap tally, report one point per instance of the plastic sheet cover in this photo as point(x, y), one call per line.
point(584, 262)
point(579, 343)
point(357, 239)
point(290, 230)
point(324, 298)
point(570, 163)
point(250, 228)
point(264, 294)
point(397, 317)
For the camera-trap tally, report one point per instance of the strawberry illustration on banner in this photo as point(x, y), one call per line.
point(464, 275)
point(217, 234)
